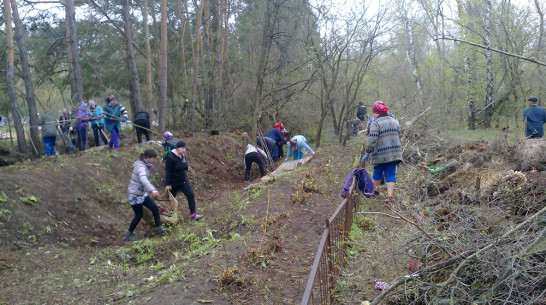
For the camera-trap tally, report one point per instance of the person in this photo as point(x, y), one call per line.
point(137, 193)
point(114, 113)
point(142, 125)
point(361, 112)
point(82, 121)
point(270, 145)
point(384, 148)
point(534, 117)
point(297, 145)
point(176, 181)
point(285, 135)
point(95, 112)
point(49, 131)
point(65, 127)
point(168, 144)
point(252, 155)
point(276, 134)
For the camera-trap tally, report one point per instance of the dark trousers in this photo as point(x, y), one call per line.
point(250, 158)
point(188, 192)
point(279, 148)
point(137, 208)
point(98, 131)
point(82, 137)
point(140, 131)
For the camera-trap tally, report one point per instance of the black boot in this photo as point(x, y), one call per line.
point(130, 236)
point(161, 230)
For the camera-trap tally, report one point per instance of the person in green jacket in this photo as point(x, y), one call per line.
point(49, 131)
point(114, 114)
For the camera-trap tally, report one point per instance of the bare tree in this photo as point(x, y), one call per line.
point(74, 53)
point(136, 100)
point(29, 88)
point(149, 84)
point(10, 83)
point(163, 67)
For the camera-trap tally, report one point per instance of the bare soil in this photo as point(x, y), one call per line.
point(63, 219)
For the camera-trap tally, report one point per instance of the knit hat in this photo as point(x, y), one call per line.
point(167, 135)
point(180, 144)
point(91, 103)
point(379, 107)
point(533, 99)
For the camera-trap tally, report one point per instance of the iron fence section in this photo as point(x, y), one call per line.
point(331, 253)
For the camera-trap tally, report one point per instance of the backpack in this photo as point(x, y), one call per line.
point(142, 117)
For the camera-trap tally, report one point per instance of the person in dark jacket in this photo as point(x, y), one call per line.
point(49, 131)
point(65, 126)
point(361, 112)
point(142, 125)
point(534, 117)
point(176, 181)
point(137, 193)
point(276, 134)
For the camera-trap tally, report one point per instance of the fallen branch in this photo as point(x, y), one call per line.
point(380, 213)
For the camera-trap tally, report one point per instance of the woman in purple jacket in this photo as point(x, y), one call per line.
point(82, 120)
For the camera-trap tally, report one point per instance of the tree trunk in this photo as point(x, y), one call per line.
point(195, 82)
point(412, 58)
point(163, 67)
point(270, 16)
point(540, 40)
point(489, 106)
point(149, 85)
point(136, 101)
point(77, 96)
point(29, 88)
point(10, 83)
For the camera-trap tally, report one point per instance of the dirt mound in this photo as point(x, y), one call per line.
point(80, 199)
point(532, 155)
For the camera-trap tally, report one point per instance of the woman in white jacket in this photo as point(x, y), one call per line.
point(252, 155)
point(138, 190)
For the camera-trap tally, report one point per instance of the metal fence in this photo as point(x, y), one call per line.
point(330, 254)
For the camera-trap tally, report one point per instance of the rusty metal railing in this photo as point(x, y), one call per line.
point(330, 254)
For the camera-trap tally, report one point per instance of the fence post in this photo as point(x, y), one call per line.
point(348, 221)
point(330, 265)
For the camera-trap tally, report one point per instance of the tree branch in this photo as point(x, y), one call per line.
point(493, 49)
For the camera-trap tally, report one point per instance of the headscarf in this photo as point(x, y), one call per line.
point(278, 125)
point(379, 107)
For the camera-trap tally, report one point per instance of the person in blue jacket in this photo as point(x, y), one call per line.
point(297, 145)
point(534, 117)
point(275, 134)
point(98, 124)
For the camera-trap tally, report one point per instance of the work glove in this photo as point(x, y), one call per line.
point(70, 128)
point(366, 156)
point(124, 120)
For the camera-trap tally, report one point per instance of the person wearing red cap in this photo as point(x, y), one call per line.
point(384, 148)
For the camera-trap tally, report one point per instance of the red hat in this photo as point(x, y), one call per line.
point(379, 107)
point(278, 125)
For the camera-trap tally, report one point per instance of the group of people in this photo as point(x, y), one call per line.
point(141, 191)
point(106, 118)
point(269, 149)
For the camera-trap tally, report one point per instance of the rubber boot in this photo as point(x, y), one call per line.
point(130, 236)
point(161, 230)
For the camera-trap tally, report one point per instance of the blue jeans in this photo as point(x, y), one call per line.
point(49, 145)
point(82, 137)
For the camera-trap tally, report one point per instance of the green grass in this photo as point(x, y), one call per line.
point(464, 135)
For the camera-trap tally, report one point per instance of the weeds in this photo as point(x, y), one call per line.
point(231, 277)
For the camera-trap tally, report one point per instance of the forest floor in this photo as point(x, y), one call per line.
point(62, 220)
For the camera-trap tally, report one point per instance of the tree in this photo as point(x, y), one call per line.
point(10, 72)
point(74, 53)
point(29, 88)
point(163, 66)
